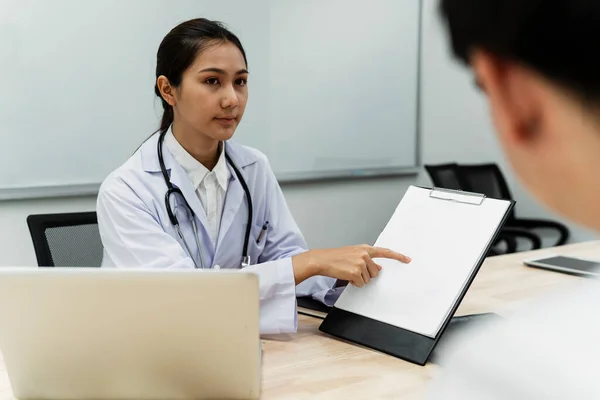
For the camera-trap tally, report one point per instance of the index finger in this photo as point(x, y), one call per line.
point(380, 252)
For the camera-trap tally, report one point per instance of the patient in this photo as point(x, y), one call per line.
point(538, 63)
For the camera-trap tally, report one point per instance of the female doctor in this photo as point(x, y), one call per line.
point(189, 198)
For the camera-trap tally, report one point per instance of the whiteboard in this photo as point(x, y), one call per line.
point(333, 88)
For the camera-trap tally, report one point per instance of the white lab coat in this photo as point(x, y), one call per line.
point(136, 230)
point(548, 350)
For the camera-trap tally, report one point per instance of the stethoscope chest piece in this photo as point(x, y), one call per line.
point(246, 261)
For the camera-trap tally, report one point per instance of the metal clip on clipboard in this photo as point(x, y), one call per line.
point(457, 196)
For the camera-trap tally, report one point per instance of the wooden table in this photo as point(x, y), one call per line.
point(312, 365)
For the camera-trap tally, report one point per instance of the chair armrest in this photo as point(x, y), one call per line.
point(536, 241)
point(529, 223)
point(510, 240)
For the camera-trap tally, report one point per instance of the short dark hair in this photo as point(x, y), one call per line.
point(560, 39)
point(179, 49)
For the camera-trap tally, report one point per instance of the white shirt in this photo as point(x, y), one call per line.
point(548, 350)
point(211, 186)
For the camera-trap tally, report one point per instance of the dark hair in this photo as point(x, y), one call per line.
point(179, 49)
point(557, 38)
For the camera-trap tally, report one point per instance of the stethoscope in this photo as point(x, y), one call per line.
point(172, 190)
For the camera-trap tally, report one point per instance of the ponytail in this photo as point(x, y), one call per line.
point(166, 120)
point(168, 116)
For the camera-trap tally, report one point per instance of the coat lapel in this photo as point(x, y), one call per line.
point(242, 157)
point(233, 202)
point(179, 179)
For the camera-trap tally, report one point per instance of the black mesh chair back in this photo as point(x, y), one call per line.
point(480, 179)
point(489, 180)
point(66, 240)
point(445, 176)
point(486, 179)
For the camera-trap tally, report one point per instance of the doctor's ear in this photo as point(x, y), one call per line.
point(166, 90)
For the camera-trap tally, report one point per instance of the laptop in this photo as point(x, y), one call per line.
point(104, 333)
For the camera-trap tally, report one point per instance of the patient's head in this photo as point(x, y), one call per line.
point(538, 61)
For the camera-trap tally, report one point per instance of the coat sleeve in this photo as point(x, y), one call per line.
point(285, 240)
point(133, 237)
point(131, 234)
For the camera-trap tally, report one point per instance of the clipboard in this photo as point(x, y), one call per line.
point(353, 320)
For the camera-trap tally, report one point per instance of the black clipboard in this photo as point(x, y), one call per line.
point(398, 342)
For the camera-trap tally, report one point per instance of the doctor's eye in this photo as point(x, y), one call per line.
point(212, 81)
point(241, 81)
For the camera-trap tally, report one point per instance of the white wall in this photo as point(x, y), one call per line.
point(351, 212)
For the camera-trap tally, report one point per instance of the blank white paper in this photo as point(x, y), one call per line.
point(445, 240)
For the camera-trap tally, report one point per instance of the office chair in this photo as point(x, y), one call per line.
point(488, 179)
point(446, 176)
point(66, 240)
point(450, 176)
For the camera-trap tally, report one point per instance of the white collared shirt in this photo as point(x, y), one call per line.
point(211, 186)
